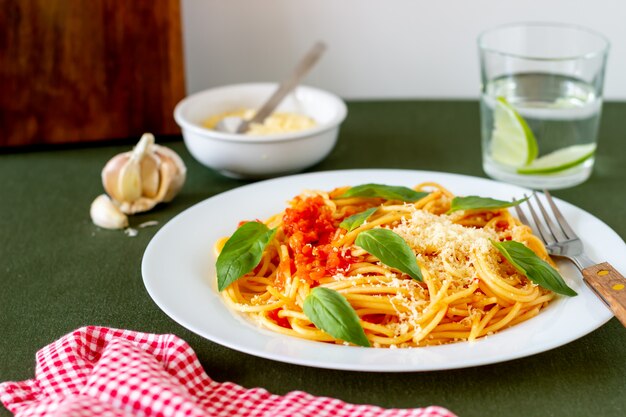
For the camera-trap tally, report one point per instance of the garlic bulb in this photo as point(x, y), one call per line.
point(140, 179)
point(106, 214)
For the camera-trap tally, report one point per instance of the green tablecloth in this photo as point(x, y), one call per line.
point(59, 272)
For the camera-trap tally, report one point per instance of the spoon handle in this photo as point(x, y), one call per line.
point(285, 87)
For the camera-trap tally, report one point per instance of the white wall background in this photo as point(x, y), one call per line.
point(376, 48)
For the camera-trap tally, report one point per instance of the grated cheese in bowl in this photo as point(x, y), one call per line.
point(278, 122)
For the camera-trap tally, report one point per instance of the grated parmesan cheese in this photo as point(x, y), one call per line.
point(277, 122)
point(445, 248)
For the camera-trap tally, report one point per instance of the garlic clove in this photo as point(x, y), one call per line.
point(150, 176)
point(111, 173)
point(106, 214)
point(129, 181)
point(176, 172)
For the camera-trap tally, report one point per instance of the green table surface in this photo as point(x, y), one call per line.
point(59, 272)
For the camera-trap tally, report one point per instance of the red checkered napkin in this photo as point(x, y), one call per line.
point(109, 372)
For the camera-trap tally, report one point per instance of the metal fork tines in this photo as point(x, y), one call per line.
point(558, 236)
point(560, 240)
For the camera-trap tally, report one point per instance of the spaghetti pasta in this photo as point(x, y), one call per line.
point(468, 289)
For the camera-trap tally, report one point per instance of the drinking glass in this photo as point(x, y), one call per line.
point(541, 100)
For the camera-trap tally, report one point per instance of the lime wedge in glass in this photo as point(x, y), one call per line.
point(560, 160)
point(512, 141)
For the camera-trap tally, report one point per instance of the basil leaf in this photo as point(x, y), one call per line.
point(389, 192)
point(391, 249)
point(330, 311)
point(536, 269)
point(473, 202)
point(356, 220)
point(242, 252)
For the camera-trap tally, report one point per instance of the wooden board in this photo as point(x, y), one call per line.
point(76, 70)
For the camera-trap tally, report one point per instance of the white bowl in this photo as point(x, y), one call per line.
point(254, 157)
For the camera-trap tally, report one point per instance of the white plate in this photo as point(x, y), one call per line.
point(179, 274)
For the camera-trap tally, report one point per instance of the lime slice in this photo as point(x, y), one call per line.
point(560, 160)
point(512, 141)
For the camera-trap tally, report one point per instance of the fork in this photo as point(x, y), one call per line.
point(561, 240)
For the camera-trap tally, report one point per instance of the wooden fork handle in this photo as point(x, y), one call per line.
point(610, 285)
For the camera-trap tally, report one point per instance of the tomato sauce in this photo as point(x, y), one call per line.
point(281, 321)
point(309, 228)
point(502, 225)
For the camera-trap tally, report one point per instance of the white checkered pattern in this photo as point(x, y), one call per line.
point(109, 372)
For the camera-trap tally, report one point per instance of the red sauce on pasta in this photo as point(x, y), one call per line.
point(281, 321)
point(309, 227)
